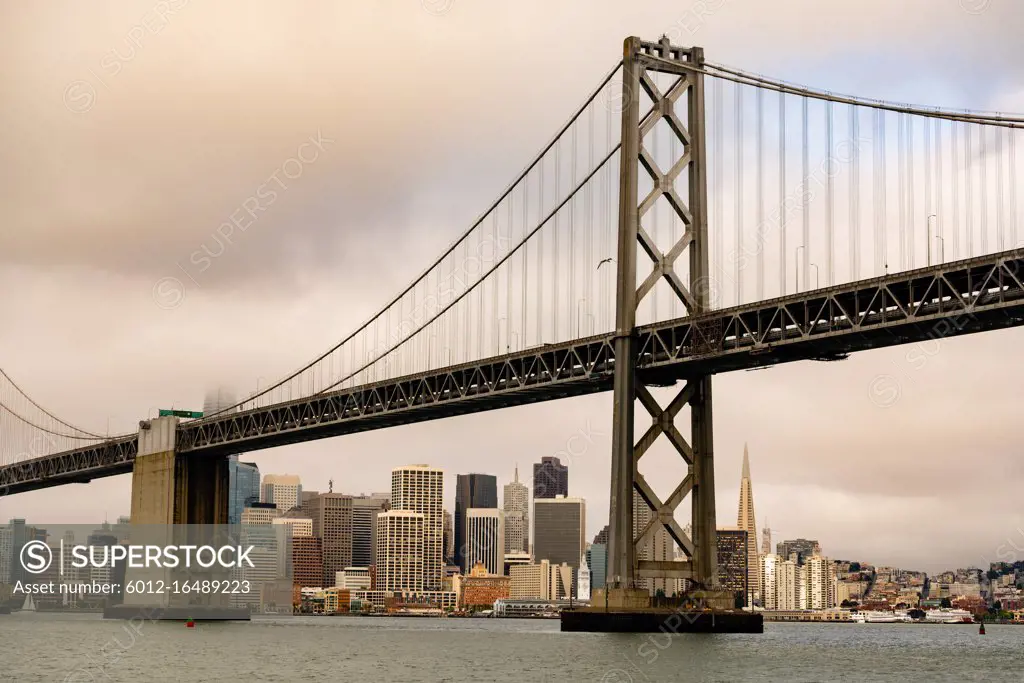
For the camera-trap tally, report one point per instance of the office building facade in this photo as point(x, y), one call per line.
point(420, 489)
point(485, 539)
point(243, 487)
point(516, 504)
point(550, 478)
point(471, 491)
point(401, 551)
point(597, 560)
point(364, 520)
point(283, 490)
point(733, 556)
point(332, 515)
point(559, 530)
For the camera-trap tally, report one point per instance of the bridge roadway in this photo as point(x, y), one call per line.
point(973, 295)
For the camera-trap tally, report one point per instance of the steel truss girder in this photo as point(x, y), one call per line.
point(962, 297)
point(924, 304)
point(77, 466)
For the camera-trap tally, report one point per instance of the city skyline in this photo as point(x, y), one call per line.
point(1007, 551)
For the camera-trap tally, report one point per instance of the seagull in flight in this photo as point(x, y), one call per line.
point(604, 261)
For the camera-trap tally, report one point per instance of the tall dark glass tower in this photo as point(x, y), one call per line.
point(243, 487)
point(471, 491)
point(550, 478)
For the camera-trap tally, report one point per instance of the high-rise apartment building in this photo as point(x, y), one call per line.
point(420, 488)
point(781, 582)
point(485, 539)
point(283, 490)
point(820, 582)
point(243, 487)
point(801, 547)
point(516, 505)
point(550, 478)
point(745, 521)
point(401, 550)
point(364, 519)
point(559, 530)
point(733, 556)
point(332, 515)
point(471, 491)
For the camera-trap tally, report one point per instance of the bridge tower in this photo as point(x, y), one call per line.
point(172, 488)
point(682, 108)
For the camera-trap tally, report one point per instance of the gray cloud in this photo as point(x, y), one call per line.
point(430, 117)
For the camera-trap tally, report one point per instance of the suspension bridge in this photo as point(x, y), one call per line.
point(688, 219)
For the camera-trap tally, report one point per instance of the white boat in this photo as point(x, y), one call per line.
point(29, 605)
point(875, 617)
point(948, 616)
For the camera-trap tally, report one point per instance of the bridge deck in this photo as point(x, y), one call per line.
point(962, 297)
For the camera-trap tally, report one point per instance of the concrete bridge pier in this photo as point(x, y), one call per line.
point(177, 500)
point(169, 488)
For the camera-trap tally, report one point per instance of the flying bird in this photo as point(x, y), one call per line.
point(604, 261)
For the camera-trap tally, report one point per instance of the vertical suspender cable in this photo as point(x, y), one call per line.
point(783, 207)
point(738, 260)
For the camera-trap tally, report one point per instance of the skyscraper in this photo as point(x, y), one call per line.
point(283, 490)
point(471, 491)
point(219, 400)
point(597, 560)
point(420, 488)
point(517, 516)
point(243, 487)
point(485, 539)
point(400, 548)
point(745, 521)
point(559, 530)
point(733, 556)
point(364, 519)
point(448, 536)
point(550, 479)
point(332, 515)
point(780, 581)
point(819, 574)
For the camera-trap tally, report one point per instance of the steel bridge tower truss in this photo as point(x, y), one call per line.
point(685, 95)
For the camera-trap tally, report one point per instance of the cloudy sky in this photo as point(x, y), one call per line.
point(133, 129)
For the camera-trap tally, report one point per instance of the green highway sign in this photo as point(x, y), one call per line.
point(179, 413)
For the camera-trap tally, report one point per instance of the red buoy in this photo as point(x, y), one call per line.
point(190, 624)
point(981, 630)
